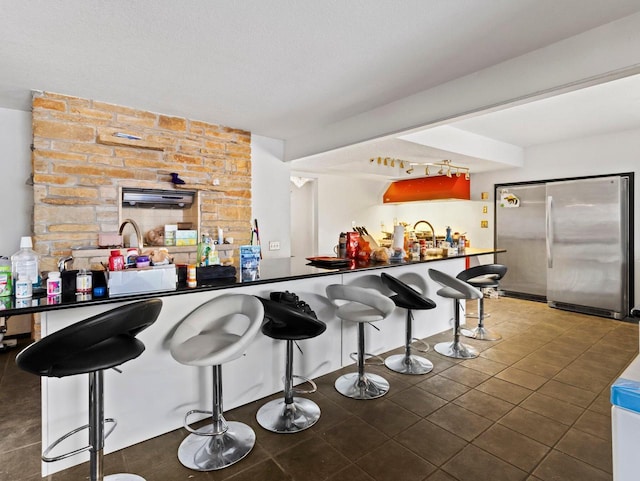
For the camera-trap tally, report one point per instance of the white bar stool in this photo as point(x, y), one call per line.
point(455, 289)
point(362, 306)
point(215, 333)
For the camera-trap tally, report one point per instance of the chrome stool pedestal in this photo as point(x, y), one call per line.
point(361, 385)
point(291, 414)
point(219, 444)
point(456, 348)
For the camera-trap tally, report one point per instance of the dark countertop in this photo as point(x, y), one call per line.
point(271, 270)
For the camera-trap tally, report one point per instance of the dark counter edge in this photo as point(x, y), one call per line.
point(314, 271)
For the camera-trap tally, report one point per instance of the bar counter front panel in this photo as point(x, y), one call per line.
point(152, 394)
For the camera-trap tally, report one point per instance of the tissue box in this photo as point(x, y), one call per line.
point(170, 234)
point(186, 237)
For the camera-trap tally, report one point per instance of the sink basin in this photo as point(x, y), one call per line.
point(143, 280)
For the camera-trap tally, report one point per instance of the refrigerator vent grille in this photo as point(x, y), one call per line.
point(585, 310)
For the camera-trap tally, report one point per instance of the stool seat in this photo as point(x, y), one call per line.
point(214, 333)
point(483, 276)
point(217, 331)
point(362, 305)
point(290, 414)
point(455, 289)
point(286, 323)
point(408, 298)
point(90, 346)
point(100, 342)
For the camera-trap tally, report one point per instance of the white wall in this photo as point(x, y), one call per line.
point(342, 201)
point(16, 197)
point(604, 154)
point(270, 194)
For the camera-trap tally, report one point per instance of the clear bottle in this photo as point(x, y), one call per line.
point(84, 281)
point(25, 262)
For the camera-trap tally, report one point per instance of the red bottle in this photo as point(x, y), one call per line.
point(116, 261)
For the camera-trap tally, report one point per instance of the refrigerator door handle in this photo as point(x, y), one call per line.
point(549, 236)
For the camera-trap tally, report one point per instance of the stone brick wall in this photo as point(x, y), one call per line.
point(78, 165)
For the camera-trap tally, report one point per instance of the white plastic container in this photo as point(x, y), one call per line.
point(54, 284)
point(25, 262)
point(24, 289)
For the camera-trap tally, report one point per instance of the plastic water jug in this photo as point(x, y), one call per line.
point(25, 262)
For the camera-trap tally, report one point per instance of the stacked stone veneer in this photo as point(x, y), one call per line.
point(77, 170)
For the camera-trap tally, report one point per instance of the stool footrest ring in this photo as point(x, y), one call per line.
point(185, 424)
point(313, 389)
point(379, 361)
point(45, 455)
point(415, 340)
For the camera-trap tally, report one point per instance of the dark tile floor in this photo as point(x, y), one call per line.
point(534, 406)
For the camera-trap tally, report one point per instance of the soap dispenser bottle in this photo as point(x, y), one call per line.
point(448, 237)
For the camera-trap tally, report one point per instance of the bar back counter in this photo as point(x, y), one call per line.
point(154, 391)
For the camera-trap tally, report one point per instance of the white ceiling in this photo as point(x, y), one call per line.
point(283, 68)
point(601, 109)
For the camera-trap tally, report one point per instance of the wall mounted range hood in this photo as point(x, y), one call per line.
point(157, 198)
point(438, 187)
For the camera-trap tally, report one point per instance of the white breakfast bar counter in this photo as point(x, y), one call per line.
point(153, 392)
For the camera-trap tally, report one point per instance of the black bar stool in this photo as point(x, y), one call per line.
point(213, 334)
point(90, 346)
point(455, 289)
point(409, 299)
point(291, 414)
point(483, 276)
point(363, 305)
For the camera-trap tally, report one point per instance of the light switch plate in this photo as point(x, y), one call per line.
point(274, 245)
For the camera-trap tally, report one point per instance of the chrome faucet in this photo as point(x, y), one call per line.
point(62, 263)
point(433, 232)
point(136, 228)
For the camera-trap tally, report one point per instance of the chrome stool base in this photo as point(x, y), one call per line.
point(456, 350)
point(481, 334)
point(369, 386)
point(280, 417)
point(123, 477)
point(408, 364)
point(204, 452)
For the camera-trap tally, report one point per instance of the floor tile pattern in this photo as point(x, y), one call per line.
point(533, 407)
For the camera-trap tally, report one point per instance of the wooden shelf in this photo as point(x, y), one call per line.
point(110, 139)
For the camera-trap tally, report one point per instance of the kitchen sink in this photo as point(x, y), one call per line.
point(142, 280)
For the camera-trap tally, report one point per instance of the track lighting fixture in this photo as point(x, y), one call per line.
point(445, 167)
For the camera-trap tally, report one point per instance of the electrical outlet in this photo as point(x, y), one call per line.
point(274, 245)
point(484, 224)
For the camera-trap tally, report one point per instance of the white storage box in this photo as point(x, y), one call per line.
point(625, 423)
point(143, 280)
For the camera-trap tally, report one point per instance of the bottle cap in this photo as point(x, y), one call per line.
point(54, 275)
point(25, 242)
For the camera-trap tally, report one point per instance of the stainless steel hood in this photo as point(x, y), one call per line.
point(157, 198)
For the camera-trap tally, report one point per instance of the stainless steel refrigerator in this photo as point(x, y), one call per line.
point(567, 241)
